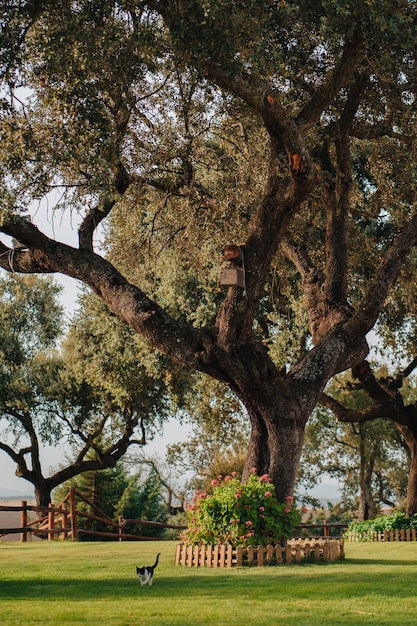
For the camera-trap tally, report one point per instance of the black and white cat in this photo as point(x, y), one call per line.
point(145, 574)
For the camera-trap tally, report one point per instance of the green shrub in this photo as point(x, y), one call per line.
point(366, 531)
point(242, 514)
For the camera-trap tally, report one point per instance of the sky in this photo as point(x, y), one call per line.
point(65, 229)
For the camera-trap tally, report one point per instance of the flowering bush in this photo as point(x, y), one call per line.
point(240, 514)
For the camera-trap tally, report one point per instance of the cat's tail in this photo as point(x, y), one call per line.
point(157, 559)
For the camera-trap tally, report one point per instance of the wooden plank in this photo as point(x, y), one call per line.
point(229, 556)
point(73, 513)
point(209, 559)
point(177, 554)
point(222, 555)
point(251, 555)
point(261, 553)
point(239, 556)
point(189, 556)
point(216, 556)
point(24, 521)
point(202, 557)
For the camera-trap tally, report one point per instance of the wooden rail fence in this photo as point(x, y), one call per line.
point(295, 551)
point(63, 522)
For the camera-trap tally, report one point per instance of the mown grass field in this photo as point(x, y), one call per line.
point(56, 583)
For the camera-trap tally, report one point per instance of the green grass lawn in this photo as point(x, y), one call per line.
point(59, 583)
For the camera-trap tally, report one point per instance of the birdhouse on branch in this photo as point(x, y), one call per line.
point(232, 277)
point(232, 274)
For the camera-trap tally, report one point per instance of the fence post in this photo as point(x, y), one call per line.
point(119, 521)
point(24, 520)
point(64, 534)
point(73, 513)
point(51, 521)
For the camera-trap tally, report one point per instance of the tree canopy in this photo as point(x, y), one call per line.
point(286, 129)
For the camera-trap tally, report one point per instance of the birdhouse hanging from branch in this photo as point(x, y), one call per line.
point(232, 274)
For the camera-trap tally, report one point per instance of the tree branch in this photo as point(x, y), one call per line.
point(373, 301)
point(352, 56)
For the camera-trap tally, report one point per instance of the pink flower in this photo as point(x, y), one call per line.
point(238, 495)
point(254, 470)
point(227, 478)
point(289, 498)
point(287, 510)
point(214, 483)
point(262, 508)
point(262, 516)
point(264, 478)
point(267, 494)
point(248, 523)
point(233, 521)
point(234, 474)
point(220, 477)
point(304, 509)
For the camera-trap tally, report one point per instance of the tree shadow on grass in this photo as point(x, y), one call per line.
point(333, 582)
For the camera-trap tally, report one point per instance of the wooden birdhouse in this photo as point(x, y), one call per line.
point(232, 277)
point(232, 274)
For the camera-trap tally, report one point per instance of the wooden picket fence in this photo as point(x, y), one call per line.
point(405, 534)
point(295, 551)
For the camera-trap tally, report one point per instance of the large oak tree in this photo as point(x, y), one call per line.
point(126, 104)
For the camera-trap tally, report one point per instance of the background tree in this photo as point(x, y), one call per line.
point(46, 397)
point(368, 461)
point(116, 492)
point(385, 401)
point(124, 112)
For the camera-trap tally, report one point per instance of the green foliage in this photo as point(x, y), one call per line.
point(111, 358)
point(367, 530)
point(117, 493)
point(242, 514)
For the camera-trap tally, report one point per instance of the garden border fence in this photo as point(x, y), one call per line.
point(295, 551)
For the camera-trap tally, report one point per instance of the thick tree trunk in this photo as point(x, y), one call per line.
point(278, 409)
point(42, 493)
point(410, 437)
point(367, 508)
point(275, 445)
point(411, 506)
